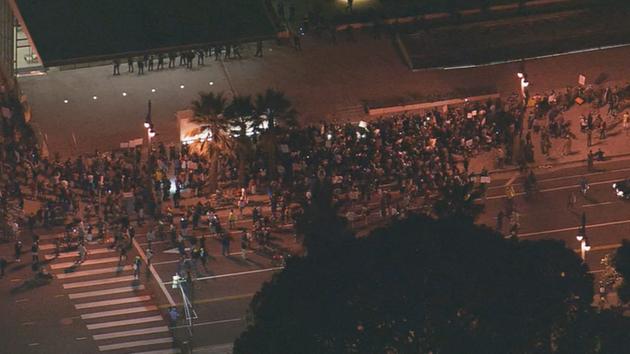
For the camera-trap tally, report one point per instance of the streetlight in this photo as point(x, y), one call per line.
point(524, 84)
point(148, 124)
point(584, 245)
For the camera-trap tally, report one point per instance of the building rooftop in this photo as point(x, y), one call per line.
point(74, 31)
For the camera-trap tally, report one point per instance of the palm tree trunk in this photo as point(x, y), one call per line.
point(213, 178)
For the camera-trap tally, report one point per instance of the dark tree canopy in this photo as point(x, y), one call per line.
point(621, 262)
point(426, 286)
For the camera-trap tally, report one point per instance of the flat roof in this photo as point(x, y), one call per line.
point(73, 31)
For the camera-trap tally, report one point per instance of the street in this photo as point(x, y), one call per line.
point(546, 215)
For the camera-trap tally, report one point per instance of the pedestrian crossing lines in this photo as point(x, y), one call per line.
point(117, 309)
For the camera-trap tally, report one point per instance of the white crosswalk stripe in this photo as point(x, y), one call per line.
point(127, 300)
point(75, 254)
point(117, 307)
point(84, 273)
point(139, 343)
point(84, 263)
point(89, 316)
point(124, 289)
point(124, 322)
point(82, 284)
point(130, 333)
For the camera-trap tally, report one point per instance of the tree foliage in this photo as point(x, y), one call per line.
point(427, 286)
point(622, 265)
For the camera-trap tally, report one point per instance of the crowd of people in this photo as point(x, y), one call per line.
point(424, 155)
point(156, 62)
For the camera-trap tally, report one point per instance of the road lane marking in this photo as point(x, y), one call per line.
point(85, 263)
point(127, 300)
point(135, 332)
point(125, 322)
point(21, 300)
point(165, 262)
point(85, 273)
point(81, 338)
point(155, 274)
point(555, 231)
point(573, 186)
point(138, 343)
point(89, 316)
point(511, 180)
point(28, 323)
point(49, 257)
point(106, 292)
point(596, 204)
point(570, 176)
point(215, 299)
point(212, 322)
point(234, 274)
point(82, 284)
point(33, 344)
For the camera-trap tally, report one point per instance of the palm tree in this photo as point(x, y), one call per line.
point(277, 110)
point(240, 115)
point(208, 113)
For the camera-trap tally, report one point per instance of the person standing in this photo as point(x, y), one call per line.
point(149, 254)
point(572, 200)
point(82, 253)
point(589, 137)
point(232, 219)
point(130, 65)
point(259, 49)
point(244, 244)
point(589, 160)
point(116, 67)
point(140, 67)
point(200, 56)
point(237, 51)
point(173, 316)
point(18, 250)
point(160, 64)
point(171, 60)
point(150, 63)
point(137, 262)
point(296, 42)
point(225, 244)
point(3, 265)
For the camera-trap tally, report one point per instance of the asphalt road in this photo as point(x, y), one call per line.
point(546, 215)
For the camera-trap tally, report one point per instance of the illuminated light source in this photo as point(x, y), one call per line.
point(211, 83)
point(124, 93)
point(329, 136)
point(520, 75)
point(153, 90)
point(147, 125)
point(579, 238)
point(525, 83)
point(151, 133)
point(94, 97)
point(181, 86)
point(65, 101)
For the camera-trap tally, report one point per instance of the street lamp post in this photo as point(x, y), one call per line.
point(584, 245)
point(524, 84)
point(148, 124)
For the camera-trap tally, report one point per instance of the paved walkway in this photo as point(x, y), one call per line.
point(324, 81)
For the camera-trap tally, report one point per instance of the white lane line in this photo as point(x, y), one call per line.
point(81, 338)
point(595, 204)
point(153, 243)
point(213, 322)
point(511, 180)
point(85, 263)
point(28, 323)
point(572, 176)
point(555, 231)
point(155, 274)
point(85, 273)
point(234, 274)
point(134, 344)
point(596, 271)
point(106, 292)
point(127, 300)
point(172, 351)
point(125, 322)
point(573, 186)
point(165, 262)
point(89, 316)
point(82, 284)
point(21, 300)
point(135, 332)
point(33, 344)
point(76, 253)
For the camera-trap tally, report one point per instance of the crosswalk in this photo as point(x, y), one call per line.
point(117, 309)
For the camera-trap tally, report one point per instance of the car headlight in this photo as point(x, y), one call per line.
point(614, 185)
point(620, 193)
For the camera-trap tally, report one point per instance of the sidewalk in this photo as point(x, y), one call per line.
point(614, 146)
